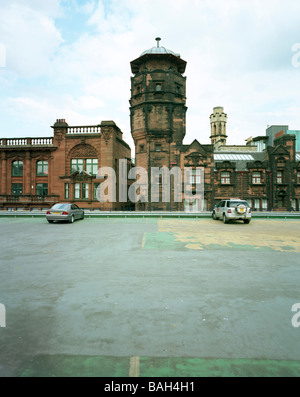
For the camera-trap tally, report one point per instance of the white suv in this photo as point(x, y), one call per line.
point(232, 209)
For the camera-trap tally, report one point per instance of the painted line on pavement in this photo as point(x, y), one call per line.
point(134, 367)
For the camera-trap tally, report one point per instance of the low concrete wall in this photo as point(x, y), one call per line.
point(153, 214)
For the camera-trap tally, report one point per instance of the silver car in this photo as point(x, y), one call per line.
point(232, 209)
point(64, 212)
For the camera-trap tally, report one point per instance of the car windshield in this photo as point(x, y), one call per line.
point(234, 203)
point(60, 207)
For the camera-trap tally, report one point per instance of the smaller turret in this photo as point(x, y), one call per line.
point(218, 122)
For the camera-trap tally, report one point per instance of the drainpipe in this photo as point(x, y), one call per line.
point(271, 193)
point(242, 185)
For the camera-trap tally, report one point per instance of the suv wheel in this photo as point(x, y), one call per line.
point(225, 220)
point(247, 221)
point(214, 216)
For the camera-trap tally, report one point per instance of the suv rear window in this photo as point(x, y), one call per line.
point(235, 203)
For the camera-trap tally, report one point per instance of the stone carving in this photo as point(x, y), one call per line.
point(106, 133)
point(83, 151)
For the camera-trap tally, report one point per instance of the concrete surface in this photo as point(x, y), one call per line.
point(182, 297)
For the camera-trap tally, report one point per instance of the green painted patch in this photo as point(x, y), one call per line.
point(76, 366)
point(160, 240)
point(287, 248)
point(98, 366)
point(198, 367)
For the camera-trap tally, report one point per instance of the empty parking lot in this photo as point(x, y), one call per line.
point(169, 297)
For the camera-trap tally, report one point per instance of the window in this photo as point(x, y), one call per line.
point(77, 191)
point(195, 177)
point(178, 89)
point(76, 165)
point(142, 148)
point(279, 176)
point(225, 178)
point(96, 185)
point(298, 177)
point(91, 166)
point(256, 177)
point(256, 204)
point(17, 168)
point(17, 189)
point(67, 190)
point(42, 189)
point(158, 87)
point(41, 168)
point(158, 147)
point(85, 190)
point(264, 204)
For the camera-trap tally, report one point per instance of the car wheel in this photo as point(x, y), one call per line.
point(72, 219)
point(214, 216)
point(225, 220)
point(247, 221)
point(50, 221)
point(82, 216)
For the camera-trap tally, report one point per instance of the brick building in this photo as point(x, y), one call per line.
point(37, 172)
point(265, 171)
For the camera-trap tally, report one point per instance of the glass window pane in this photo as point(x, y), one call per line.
point(42, 167)
point(76, 165)
point(92, 166)
point(77, 190)
point(85, 190)
point(67, 190)
point(17, 168)
point(42, 189)
point(17, 189)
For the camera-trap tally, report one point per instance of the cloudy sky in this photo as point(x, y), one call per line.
point(71, 59)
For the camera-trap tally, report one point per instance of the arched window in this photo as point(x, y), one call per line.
point(41, 167)
point(17, 168)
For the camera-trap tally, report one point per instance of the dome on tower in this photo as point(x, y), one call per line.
point(159, 50)
point(160, 53)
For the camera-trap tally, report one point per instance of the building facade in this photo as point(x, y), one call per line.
point(38, 172)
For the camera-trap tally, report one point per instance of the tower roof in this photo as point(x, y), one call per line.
point(158, 51)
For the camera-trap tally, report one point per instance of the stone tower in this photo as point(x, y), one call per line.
point(218, 120)
point(157, 107)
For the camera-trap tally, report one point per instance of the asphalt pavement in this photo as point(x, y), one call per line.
point(149, 297)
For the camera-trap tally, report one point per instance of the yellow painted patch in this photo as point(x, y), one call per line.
point(278, 235)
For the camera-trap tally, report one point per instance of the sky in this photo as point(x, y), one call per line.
point(71, 59)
